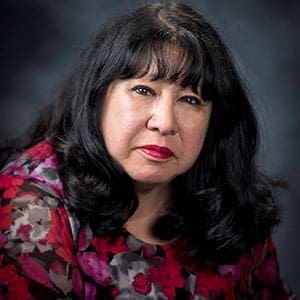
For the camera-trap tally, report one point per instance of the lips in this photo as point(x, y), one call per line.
point(157, 151)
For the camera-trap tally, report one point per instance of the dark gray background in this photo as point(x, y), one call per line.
point(40, 41)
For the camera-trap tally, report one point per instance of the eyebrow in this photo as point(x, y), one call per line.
point(182, 88)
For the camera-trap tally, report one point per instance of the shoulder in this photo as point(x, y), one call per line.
point(38, 165)
point(257, 273)
point(30, 196)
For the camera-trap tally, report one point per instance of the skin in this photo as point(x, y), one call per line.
point(139, 112)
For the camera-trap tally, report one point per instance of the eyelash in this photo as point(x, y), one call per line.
point(143, 91)
point(191, 100)
point(146, 91)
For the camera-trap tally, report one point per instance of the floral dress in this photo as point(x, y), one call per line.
point(46, 254)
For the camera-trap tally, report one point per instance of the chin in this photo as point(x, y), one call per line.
point(152, 179)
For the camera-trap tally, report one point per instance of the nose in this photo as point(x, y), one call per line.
point(163, 117)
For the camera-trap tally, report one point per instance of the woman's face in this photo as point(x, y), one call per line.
point(154, 129)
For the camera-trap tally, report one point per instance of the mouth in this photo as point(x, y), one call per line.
point(157, 151)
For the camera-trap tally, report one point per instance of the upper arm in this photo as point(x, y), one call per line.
point(36, 244)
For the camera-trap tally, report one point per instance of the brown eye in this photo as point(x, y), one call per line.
point(191, 100)
point(143, 91)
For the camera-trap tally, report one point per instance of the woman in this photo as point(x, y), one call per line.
point(140, 180)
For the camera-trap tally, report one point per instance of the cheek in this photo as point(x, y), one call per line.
point(119, 132)
point(194, 139)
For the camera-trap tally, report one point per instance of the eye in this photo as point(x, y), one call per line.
point(143, 90)
point(192, 100)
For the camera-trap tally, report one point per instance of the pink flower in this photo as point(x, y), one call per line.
point(77, 282)
point(35, 271)
point(50, 161)
point(3, 240)
point(94, 267)
point(267, 272)
point(149, 251)
point(141, 284)
point(90, 291)
point(84, 238)
point(234, 270)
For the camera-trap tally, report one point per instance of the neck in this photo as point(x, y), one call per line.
point(153, 199)
point(154, 202)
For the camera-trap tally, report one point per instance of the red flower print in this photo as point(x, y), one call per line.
point(5, 216)
point(168, 276)
point(245, 263)
point(40, 151)
point(208, 283)
point(43, 241)
point(23, 232)
point(228, 287)
point(267, 272)
point(141, 284)
point(59, 235)
point(115, 292)
point(17, 285)
point(104, 245)
point(176, 253)
point(10, 184)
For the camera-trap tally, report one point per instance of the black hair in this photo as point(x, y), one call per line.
point(223, 205)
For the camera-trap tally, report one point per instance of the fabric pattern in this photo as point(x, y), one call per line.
point(46, 254)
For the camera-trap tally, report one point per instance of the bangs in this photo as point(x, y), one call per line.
point(163, 59)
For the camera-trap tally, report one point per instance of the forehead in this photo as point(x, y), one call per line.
point(172, 63)
point(154, 72)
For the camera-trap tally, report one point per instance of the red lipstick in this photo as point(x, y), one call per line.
point(157, 151)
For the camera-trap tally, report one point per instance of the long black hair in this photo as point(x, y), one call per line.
point(223, 205)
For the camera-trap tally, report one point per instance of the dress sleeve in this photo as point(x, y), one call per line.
point(264, 281)
point(36, 245)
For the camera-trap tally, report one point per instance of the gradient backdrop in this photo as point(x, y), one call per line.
point(40, 41)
